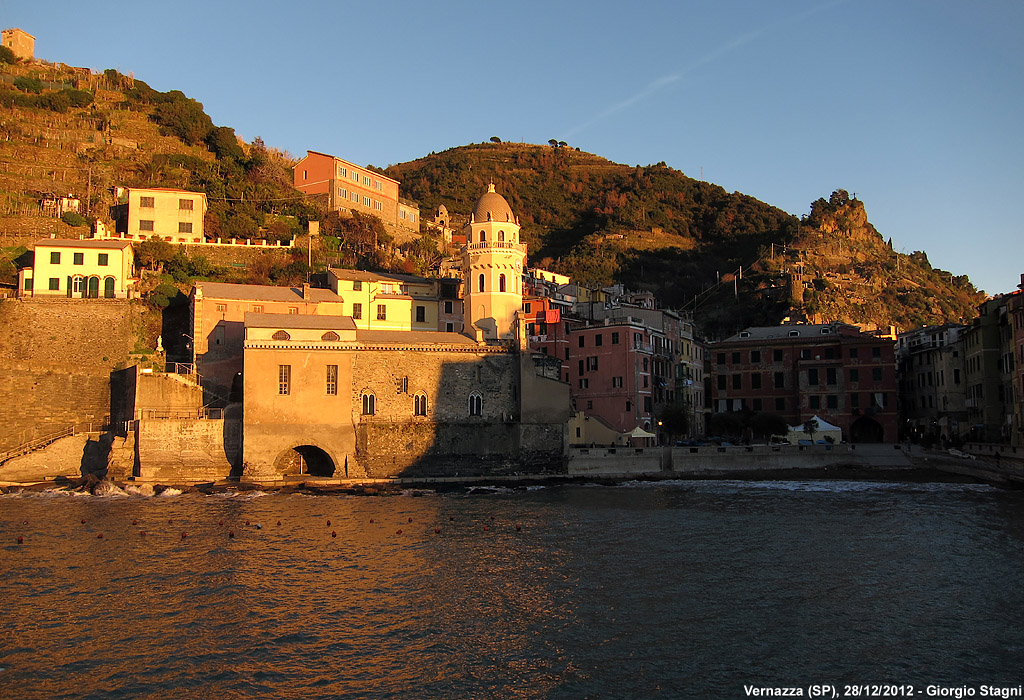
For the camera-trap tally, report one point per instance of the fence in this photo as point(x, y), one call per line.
point(46, 440)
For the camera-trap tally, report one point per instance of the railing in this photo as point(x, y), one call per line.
point(39, 443)
point(180, 414)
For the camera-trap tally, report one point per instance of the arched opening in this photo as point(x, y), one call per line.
point(305, 460)
point(476, 404)
point(481, 280)
point(108, 288)
point(501, 283)
point(369, 404)
point(420, 404)
point(483, 236)
point(866, 429)
point(76, 286)
point(501, 235)
point(94, 288)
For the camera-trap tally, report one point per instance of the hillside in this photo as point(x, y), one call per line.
point(727, 257)
point(731, 259)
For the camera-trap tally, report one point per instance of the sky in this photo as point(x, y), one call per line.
point(914, 106)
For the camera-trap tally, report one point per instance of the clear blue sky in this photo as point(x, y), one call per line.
point(914, 105)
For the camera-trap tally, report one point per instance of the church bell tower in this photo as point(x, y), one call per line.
point(492, 267)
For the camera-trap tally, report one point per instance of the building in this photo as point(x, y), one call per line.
point(20, 42)
point(493, 260)
point(989, 369)
point(86, 269)
point(217, 313)
point(1015, 308)
point(930, 367)
point(799, 371)
point(175, 216)
point(347, 187)
point(390, 301)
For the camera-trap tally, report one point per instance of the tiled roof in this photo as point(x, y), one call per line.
point(333, 323)
point(82, 243)
point(259, 292)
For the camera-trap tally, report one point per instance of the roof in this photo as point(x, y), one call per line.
point(413, 338)
point(83, 243)
point(492, 207)
point(346, 162)
point(333, 323)
point(364, 276)
point(260, 292)
point(165, 189)
point(805, 331)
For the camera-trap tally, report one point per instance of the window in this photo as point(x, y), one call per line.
point(355, 197)
point(629, 406)
point(853, 353)
point(590, 405)
point(330, 337)
point(755, 380)
point(854, 375)
point(257, 308)
point(737, 381)
point(419, 402)
point(735, 358)
point(449, 327)
point(293, 310)
point(55, 285)
point(421, 314)
point(776, 355)
point(722, 381)
point(830, 375)
point(366, 201)
point(480, 284)
point(79, 258)
point(598, 339)
point(184, 227)
point(366, 180)
point(145, 225)
point(447, 307)
point(476, 404)
point(876, 374)
point(342, 172)
point(483, 236)
point(103, 259)
point(342, 193)
point(357, 286)
point(55, 258)
point(281, 335)
point(757, 405)
point(815, 402)
point(832, 401)
point(812, 377)
point(284, 379)
point(720, 358)
point(382, 312)
point(378, 206)
point(332, 380)
point(876, 352)
point(805, 354)
point(355, 176)
point(780, 404)
point(28, 284)
point(357, 311)
point(147, 202)
point(755, 357)
point(369, 404)
point(584, 383)
point(222, 308)
point(377, 185)
point(582, 339)
point(616, 382)
point(501, 235)
point(501, 283)
point(615, 338)
point(185, 204)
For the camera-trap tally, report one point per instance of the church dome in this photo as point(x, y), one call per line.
point(492, 207)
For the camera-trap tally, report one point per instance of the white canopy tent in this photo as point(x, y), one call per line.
point(824, 429)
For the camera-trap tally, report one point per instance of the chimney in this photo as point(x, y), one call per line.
point(305, 291)
point(1021, 285)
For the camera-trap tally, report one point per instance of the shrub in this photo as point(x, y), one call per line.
point(7, 56)
point(72, 218)
point(28, 85)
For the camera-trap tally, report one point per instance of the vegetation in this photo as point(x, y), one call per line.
point(73, 218)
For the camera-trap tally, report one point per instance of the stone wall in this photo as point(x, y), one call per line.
point(58, 355)
point(181, 451)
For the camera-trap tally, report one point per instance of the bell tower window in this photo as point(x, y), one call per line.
point(501, 283)
point(481, 279)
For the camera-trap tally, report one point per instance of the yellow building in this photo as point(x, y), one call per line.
point(175, 216)
point(87, 269)
point(492, 266)
point(384, 301)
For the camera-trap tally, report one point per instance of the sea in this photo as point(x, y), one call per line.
point(677, 589)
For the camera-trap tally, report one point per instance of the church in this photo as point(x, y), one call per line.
point(327, 395)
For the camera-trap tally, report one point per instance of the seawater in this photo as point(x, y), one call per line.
point(672, 589)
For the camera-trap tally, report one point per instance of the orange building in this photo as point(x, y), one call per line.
point(348, 187)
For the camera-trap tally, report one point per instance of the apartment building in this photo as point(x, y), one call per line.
point(395, 302)
point(348, 187)
point(930, 367)
point(799, 371)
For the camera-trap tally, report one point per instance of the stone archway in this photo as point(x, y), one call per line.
point(305, 460)
point(866, 429)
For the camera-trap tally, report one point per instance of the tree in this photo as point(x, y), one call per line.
point(224, 144)
point(767, 425)
point(73, 218)
point(495, 139)
point(553, 143)
point(153, 252)
point(810, 426)
point(674, 421)
point(28, 84)
point(7, 56)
